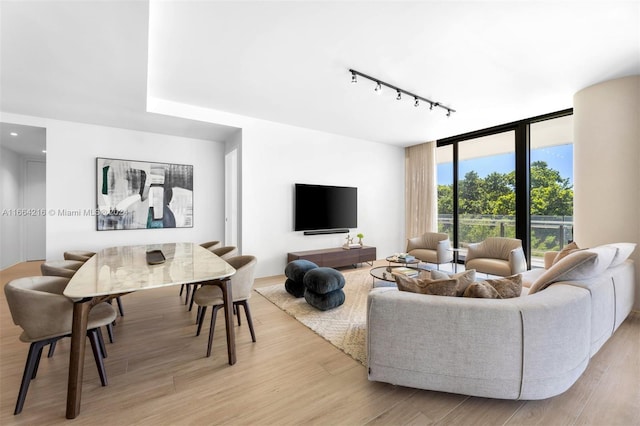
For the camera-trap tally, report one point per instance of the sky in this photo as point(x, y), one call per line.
point(559, 157)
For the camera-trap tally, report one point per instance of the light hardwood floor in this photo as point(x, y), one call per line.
point(158, 375)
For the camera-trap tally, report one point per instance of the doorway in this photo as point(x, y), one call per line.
point(231, 198)
point(23, 201)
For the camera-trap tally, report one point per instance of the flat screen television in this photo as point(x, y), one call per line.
point(322, 207)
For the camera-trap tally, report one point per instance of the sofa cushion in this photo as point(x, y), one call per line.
point(530, 276)
point(507, 287)
point(566, 251)
point(578, 265)
point(481, 290)
point(464, 278)
point(425, 285)
point(623, 251)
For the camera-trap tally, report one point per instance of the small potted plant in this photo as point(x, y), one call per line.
point(360, 237)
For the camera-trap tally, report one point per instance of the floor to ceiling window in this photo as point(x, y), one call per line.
point(551, 171)
point(444, 158)
point(486, 185)
point(514, 180)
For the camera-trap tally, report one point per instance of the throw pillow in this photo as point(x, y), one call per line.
point(578, 265)
point(623, 251)
point(507, 287)
point(566, 250)
point(464, 278)
point(427, 286)
point(481, 290)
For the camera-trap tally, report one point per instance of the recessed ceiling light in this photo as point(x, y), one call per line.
point(13, 134)
point(44, 151)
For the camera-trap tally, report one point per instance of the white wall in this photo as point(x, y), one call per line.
point(607, 165)
point(72, 149)
point(276, 156)
point(11, 173)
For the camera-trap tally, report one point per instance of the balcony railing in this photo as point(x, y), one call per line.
point(547, 232)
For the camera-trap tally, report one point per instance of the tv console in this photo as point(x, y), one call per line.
point(335, 257)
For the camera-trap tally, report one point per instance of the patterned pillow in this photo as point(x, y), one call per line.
point(507, 287)
point(496, 288)
point(481, 290)
point(425, 285)
point(464, 279)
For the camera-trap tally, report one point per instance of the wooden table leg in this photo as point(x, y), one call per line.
point(225, 286)
point(76, 360)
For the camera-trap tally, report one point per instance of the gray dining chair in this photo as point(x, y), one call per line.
point(45, 315)
point(225, 253)
point(80, 256)
point(67, 269)
point(211, 295)
point(209, 245)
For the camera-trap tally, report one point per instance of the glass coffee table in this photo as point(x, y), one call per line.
point(385, 273)
point(401, 261)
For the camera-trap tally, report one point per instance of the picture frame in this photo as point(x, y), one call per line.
point(132, 194)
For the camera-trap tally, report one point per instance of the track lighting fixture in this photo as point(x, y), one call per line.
point(399, 91)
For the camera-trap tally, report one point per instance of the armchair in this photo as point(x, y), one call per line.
point(431, 247)
point(497, 256)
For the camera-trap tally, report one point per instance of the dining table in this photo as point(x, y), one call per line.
point(117, 271)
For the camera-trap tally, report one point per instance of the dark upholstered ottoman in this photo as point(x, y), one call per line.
point(295, 272)
point(323, 288)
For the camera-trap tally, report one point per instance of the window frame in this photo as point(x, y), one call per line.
point(521, 129)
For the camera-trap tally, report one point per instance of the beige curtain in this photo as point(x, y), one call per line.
point(421, 189)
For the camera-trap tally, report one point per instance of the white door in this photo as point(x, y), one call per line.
point(231, 198)
point(35, 196)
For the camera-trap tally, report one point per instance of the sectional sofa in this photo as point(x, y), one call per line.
point(530, 347)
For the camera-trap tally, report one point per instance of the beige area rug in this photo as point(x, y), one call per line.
point(344, 326)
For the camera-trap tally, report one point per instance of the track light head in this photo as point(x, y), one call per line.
point(399, 92)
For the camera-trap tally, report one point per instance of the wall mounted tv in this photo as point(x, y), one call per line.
point(321, 209)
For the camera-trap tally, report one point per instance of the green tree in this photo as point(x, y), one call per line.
point(500, 196)
point(471, 198)
point(485, 202)
point(445, 199)
point(551, 194)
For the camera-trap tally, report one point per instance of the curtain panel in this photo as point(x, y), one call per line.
point(421, 189)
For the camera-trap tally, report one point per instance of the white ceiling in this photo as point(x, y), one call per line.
point(494, 62)
point(24, 140)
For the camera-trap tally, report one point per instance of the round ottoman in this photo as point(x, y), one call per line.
point(323, 288)
point(295, 272)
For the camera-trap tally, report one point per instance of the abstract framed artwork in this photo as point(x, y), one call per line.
point(143, 195)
